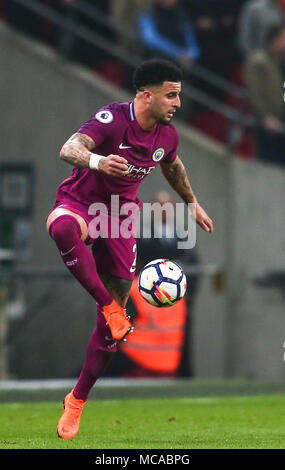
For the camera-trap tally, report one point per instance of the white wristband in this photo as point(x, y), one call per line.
point(94, 161)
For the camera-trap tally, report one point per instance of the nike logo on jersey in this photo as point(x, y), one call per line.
point(122, 147)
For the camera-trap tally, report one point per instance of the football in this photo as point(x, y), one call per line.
point(162, 283)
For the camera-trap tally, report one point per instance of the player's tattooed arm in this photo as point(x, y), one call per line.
point(77, 150)
point(176, 176)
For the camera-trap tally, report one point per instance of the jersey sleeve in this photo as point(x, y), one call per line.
point(99, 127)
point(172, 154)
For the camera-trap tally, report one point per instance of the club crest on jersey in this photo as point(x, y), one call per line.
point(158, 154)
point(104, 116)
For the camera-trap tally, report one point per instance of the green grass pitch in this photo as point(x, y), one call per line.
point(243, 422)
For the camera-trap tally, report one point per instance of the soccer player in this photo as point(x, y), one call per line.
point(112, 153)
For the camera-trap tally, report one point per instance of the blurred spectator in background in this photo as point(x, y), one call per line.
point(166, 32)
point(257, 16)
point(160, 345)
point(125, 14)
point(216, 25)
point(265, 77)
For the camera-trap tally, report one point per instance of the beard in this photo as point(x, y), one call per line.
point(164, 122)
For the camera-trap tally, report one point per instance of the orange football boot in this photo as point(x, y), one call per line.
point(68, 425)
point(117, 320)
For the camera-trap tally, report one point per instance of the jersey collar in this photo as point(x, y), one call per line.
point(132, 111)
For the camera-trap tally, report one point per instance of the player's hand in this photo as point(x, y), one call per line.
point(201, 217)
point(114, 165)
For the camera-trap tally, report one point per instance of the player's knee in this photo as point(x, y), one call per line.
point(64, 227)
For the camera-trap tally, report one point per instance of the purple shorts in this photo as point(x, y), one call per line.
point(114, 249)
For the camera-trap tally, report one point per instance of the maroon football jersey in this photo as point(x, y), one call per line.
point(115, 130)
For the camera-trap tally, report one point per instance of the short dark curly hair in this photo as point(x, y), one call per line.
point(154, 72)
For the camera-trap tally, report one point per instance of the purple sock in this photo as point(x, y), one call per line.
point(100, 351)
point(66, 232)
